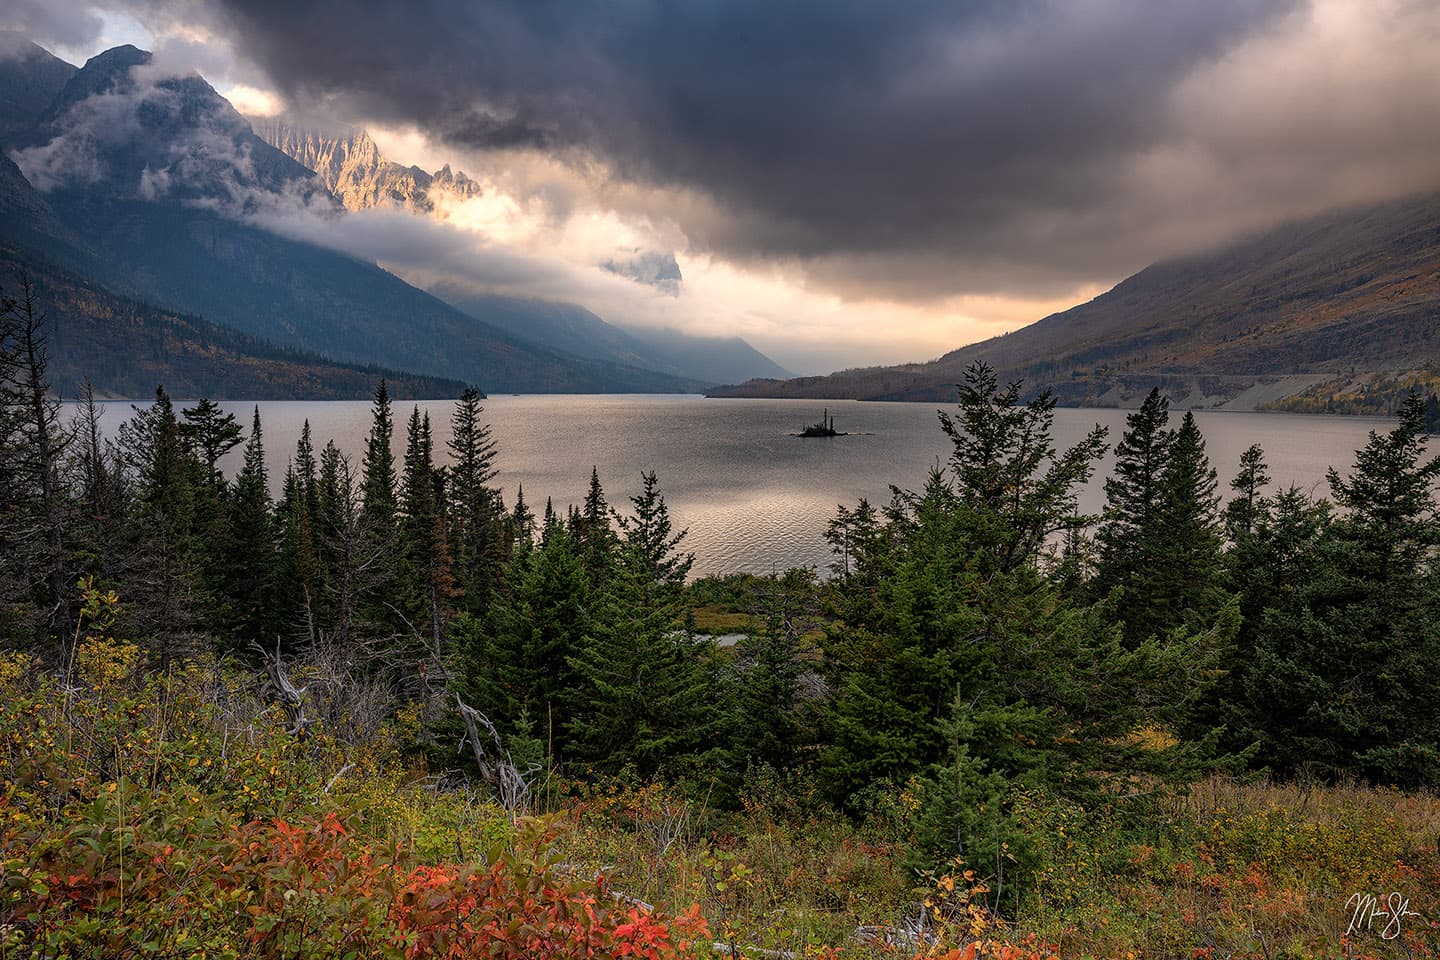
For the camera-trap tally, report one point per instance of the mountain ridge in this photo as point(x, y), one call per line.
point(1247, 324)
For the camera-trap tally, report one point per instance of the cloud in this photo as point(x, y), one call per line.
point(915, 176)
point(51, 23)
point(819, 131)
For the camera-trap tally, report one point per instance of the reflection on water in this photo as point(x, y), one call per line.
point(753, 497)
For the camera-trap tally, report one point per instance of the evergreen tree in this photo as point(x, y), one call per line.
point(1133, 531)
point(594, 532)
point(211, 433)
point(299, 578)
point(475, 510)
point(426, 581)
point(1005, 466)
point(521, 523)
point(968, 669)
point(249, 588)
point(517, 655)
point(383, 556)
point(1187, 583)
point(1355, 647)
point(378, 467)
point(163, 571)
point(35, 449)
point(1246, 505)
point(644, 699)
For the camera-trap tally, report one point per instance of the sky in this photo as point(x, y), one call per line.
point(841, 183)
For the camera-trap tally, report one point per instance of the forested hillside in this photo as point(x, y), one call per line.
point(1000, 728)
point(125, 348)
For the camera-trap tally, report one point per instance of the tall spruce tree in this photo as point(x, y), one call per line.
point(212, 433)
point(643, 701)
point(475, 512)
point(250, 584)
point(1188, 588)
point(163, 575)
point(1132, 532)
point(426, 581)
point(378, 468)
point(595, 533)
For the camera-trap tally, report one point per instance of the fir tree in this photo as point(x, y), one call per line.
point(1132, 532)
point(212, 433)
point(378, 467)
point(249, 587)
point(164, 582)
point(1247, 503)
point(474, 505)
point(594, 532)
point(643, 702)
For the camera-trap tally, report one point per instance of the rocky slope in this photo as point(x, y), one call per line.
point(352, 168)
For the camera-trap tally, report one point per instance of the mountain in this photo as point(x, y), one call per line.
point(350, 165)
point(30, 79)
point(125, 348)
point(704, 361)
point(149, 185)
point(1330, 303)
point(353, 169)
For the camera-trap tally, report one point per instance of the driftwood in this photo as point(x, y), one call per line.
point(511, 785)
point(277, 685)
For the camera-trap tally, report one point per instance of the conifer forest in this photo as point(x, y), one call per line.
point(390, 712)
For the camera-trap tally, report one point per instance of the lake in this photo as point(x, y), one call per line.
point(753, 498)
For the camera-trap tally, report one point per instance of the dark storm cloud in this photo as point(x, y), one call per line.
point(820, 128)
point(52, 23)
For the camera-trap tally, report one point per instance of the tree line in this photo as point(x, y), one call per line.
point(979, 638)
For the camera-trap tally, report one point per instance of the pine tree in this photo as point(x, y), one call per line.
point(594, 532)
point(378, 467)
point(1131, 534)
point(249, 588)
point(645, 677)
point(1247, 503)
point(163, 580)
point(36, 451)
point(1342, 678)
point(211, 433)
point(299, 580)
point(475, 511)
point(1006, 467)
point(517, 654)
point(426, 582)
point(521, 523)
point(1187, 586)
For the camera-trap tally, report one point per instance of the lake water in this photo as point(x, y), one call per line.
point(754, 498)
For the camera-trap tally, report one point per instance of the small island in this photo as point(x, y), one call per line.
point(825, 428)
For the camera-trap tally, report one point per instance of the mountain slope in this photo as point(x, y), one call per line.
point(1355, 291)
point(703, 361)
point(30, 79)
point(125, 348)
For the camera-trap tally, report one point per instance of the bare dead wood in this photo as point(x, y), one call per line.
point(511, 785)
point(291, 698)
